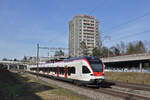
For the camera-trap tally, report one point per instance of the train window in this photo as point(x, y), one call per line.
point(43, 69)
point(50, 69)
point(53, 69)
point(40, 69)
point(96, 64)
point(73, 70)
point(61, 70)
point(69, 71)
point(85, 70)
point(34, 68)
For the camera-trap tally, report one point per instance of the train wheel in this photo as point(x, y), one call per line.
point(73, 82)
point(77, 83)
point(97, 86)
point(52, 77)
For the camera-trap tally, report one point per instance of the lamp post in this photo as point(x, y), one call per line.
point(37, 58)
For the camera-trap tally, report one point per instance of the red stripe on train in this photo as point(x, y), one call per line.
point(98, 73)
point(57, 71)
point(95, 73)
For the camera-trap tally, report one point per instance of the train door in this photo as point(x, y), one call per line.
point(48, 71)
point(57, 71)
point(78, 70)
point(85, 73)
point(66, 72)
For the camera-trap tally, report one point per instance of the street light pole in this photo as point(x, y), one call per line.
point(37, 58)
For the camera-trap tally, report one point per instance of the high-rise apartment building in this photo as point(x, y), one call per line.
point(83, 28)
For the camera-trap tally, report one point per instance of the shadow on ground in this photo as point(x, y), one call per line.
point(107, 84)
point(15, 87)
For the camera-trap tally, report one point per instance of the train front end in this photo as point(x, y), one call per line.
point(97, 70)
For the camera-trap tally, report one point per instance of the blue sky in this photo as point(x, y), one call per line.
point(24, 23)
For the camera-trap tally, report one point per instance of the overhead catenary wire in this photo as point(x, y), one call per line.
point(127, 22)
point(124, 23)
point(130, 35)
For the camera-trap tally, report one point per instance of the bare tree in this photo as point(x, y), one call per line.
point(104, 52)
point(140, 47)
point(115, 51)
point(122, 48)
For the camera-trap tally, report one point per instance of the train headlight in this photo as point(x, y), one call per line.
point(92, 74)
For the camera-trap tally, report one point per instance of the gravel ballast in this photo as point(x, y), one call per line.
point(93, 95)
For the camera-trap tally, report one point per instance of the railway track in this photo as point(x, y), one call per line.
point(131, 85)
point(123, 95)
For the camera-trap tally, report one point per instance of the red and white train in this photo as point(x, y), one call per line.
point(81, 71)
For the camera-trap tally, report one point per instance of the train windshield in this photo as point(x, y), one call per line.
point(96, 65)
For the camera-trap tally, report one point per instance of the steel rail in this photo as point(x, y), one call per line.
point(126, 96)
point(131, 85)
point(123, 95)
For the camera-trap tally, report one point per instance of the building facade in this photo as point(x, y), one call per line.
point(83, 28)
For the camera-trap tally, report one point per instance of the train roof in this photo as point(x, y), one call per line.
point(88, 58)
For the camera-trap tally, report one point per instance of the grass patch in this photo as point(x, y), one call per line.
point(15, 86)
point(57, 93)
point(130, 77)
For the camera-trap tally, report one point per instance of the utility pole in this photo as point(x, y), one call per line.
point(47, 48)
point(37, 58)
point(108, 52)
point(48, 54)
